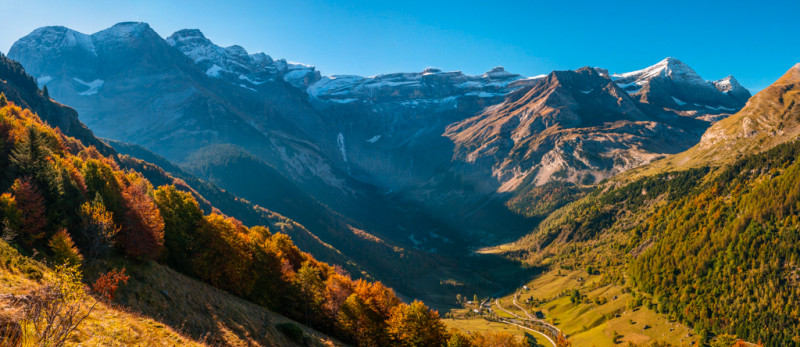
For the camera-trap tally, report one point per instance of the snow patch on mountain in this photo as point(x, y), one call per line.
point(414, 89)
point(340, 144)
point(669, 67)
point(214, 70)
point(41, 81)
point(93, 86)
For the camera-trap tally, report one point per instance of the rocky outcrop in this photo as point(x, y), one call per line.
point(670, 84)
point(573, 126)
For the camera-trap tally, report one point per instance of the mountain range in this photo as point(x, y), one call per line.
point(674, 194)
point(457, 156)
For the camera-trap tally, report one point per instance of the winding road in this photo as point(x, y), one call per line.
point(530, 318)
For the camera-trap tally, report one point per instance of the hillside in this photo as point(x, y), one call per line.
point(700, 244)
point(143, 315)
point(771, 117)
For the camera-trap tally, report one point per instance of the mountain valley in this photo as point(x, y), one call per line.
point(584, 207)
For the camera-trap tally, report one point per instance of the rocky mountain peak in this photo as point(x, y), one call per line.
point(670, 68)
point(237, 65)
point(125, 30)
point(237, 50)
point(497, 69)
point(185, 34)
point(673, 86)
point(727, 84)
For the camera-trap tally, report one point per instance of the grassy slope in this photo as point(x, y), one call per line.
point(589, 323)
point(191, 313)
point(480, 325)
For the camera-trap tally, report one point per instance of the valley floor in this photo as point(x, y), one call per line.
point(601, 313)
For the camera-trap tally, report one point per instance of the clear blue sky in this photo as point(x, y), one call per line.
point(754, 41)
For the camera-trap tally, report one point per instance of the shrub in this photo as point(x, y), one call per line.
point(54, 311)
point(292, 331)
point(106, 286)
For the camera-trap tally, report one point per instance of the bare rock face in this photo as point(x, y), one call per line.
point(573, 126)
point(671, 84)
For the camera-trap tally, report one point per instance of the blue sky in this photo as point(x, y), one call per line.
point(756, 42)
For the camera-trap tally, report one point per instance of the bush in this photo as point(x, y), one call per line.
point(292, 331)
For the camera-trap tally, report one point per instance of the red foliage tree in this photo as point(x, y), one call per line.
point(143, 229)
point(31, 204)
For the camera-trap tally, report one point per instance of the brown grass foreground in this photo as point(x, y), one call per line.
point(158, 307)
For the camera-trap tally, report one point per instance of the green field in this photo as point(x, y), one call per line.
point(603, 311)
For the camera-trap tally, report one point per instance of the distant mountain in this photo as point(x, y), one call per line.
point(700, 235)
point(131, 85)
point(577, 128)
point(770, 118)
point(671, 84)
point(438, 162)
point(235, 64)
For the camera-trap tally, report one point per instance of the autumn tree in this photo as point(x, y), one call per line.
point(10, 217)
point(142, 235)
point(182, 216)
point(310, 281)
point(64, 250)
point(337, 289)
point(31, 158)
point(362, 322)
point(456, 338)
point(32, 207)
point(107, 284)
point(225, 260)
point(416, 325)
point(97, 229)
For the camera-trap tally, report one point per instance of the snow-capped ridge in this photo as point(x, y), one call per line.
point(432, 86)
point(124, 30)
point(671, 77)
point(236, 64)
point(57, 36)
point(669, 67)
point(728, 84)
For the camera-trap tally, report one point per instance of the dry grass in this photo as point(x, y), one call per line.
point(159, 307)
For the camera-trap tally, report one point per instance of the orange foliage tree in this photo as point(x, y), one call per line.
point(142, 235)
point(416, 325)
